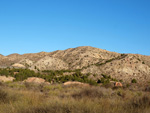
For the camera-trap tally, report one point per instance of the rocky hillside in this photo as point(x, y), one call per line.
point(87, 59)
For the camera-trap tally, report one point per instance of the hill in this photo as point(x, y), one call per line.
point(86, 59)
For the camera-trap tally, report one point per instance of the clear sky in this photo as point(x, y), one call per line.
point(29, 26)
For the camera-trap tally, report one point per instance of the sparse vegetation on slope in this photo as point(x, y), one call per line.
point(86, 59)
point(49, 75)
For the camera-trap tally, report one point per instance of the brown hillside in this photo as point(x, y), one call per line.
point(88, 59)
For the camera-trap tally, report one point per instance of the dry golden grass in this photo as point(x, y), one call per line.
point(58, 99)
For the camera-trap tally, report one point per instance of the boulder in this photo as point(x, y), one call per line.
point(17, 65)
point(6, 79)
point(36, 80)
point(69, 83)
point(118, 84)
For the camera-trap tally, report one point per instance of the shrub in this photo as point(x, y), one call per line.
point(141, 102)
point(104, 81)
point(120, 80)
point(99, 81)
point(134, 81)
point(147, 89)
point(89, 92)
point(3, 96)
point(108, 85)
point(106, 76)
point(114, 79)
point(121, 93)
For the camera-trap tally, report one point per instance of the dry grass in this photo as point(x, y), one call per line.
point(59, 99)
point(93, 92)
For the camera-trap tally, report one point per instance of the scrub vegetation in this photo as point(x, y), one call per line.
point(97, 97)
point(17, 97)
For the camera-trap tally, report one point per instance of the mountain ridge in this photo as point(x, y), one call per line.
point(86, 58)
point(71, 48)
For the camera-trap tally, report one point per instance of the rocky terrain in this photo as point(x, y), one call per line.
point(88, 59)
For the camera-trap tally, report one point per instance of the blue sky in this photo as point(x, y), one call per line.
point(29, 26)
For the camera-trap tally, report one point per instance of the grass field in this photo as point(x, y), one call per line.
point(17, 97)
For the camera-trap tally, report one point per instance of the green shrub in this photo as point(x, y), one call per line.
point(49, 75)
point(120, 80)
point(105, 80)
point(106, 76)
point(134, 81)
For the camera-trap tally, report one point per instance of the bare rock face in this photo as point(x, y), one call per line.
point(92, 69)
point(124, 69)
point(6, 79)
point(26, 62)
point(35, 56)
point(50, 63)
point(14, 57)
point(17, 65)
point(80, 57)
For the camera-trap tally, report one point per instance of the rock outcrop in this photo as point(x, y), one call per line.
point(6, 79)
point(50, 63)
point(36, 80)
point(17, 65)
point(75, 83)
